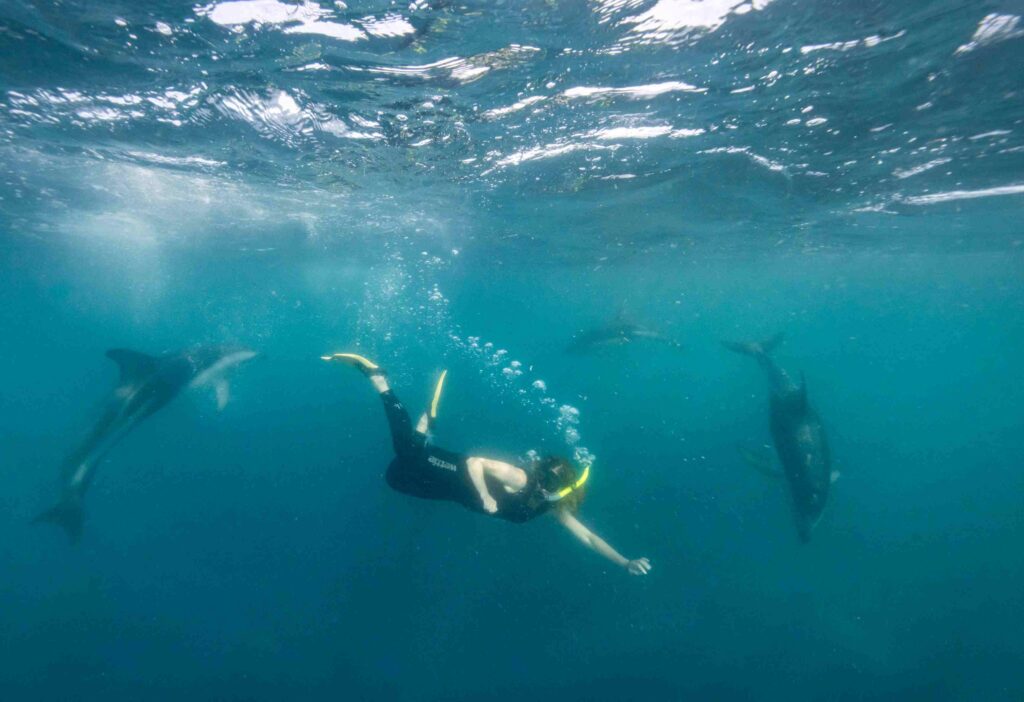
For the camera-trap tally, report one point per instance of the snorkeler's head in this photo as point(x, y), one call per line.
point(555, 473)
point(560, 479)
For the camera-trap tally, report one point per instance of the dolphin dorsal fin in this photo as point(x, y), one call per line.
point(133, 364)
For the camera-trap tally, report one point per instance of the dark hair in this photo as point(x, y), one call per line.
point(555, 473)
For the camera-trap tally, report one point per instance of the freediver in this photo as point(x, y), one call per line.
point(481, 484)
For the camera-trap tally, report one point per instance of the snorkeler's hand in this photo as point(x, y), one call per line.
point(490, 506)
point(641, 566)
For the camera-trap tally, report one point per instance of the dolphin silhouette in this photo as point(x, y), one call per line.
point(147, 384)
point(619, 331)
point(798, 434)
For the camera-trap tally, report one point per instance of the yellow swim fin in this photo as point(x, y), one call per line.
point(353, 359)
point(437, 394)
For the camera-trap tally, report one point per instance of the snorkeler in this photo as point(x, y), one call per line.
point(481, 484)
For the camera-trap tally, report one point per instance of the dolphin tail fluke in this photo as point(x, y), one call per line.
point(755, 348)
point(68, 514)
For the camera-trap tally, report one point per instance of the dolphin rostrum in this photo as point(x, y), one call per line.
point(619, 331)
point(798, 434)
point(147, 384)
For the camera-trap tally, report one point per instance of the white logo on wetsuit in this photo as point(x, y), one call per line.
point(441, 464)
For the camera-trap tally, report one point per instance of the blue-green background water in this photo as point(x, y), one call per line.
point(311, 178)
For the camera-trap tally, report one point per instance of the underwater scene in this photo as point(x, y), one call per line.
point(511, 350)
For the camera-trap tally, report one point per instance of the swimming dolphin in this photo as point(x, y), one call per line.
point(619, 331)
point(147, 384)
point(798, 435)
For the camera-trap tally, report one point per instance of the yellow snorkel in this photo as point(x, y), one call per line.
point(564, 492)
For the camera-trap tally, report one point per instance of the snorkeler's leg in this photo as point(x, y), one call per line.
point(405, 443)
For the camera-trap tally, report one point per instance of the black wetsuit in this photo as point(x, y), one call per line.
point(430, 472)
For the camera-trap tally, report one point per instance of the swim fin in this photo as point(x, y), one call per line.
point(368, 367)
point(437, 394)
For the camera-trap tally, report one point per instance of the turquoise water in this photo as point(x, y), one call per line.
point(469, 186)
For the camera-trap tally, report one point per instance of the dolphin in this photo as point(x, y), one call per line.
point(147, 384)
point(619, 331)
point(798, 434)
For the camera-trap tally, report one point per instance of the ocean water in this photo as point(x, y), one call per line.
point(468, 186)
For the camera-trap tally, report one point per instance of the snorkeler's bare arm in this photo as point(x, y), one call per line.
point(511, 477)
point(640, 566)
point(475, 466)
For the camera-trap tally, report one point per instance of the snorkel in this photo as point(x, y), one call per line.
point(561, 494)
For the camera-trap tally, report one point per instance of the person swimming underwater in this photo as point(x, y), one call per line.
point(480, 484)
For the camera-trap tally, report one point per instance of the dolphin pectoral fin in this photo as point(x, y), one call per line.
point(834, 476)
point(760, 460)
point(223, 392)
point(134, 365)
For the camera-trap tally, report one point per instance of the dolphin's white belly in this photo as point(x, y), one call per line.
point(215, 371)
